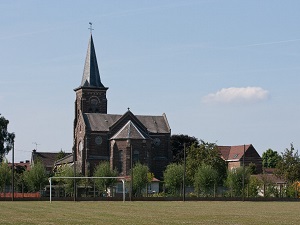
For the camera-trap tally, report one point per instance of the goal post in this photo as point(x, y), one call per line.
point(56, 178)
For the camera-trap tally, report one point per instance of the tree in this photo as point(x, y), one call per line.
point(177, 145)
point(253, 186)
point(140, 178)
point(60, 154)
point(288, 167)
point(36, 178)
point(173, 176)
point(66, 171)
point(5, 175)
point(205, 180)
point(252, 168)
point(19, 178)
point(103, 170)
point(270, 158)
point(234, 181)
point(6, 138)
point(208, 154)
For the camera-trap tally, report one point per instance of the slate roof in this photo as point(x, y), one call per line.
point(130, 131)
point(102, 122)
point(91, 75)
point(233, 153)
point(270, 178)
point(47, 158)
point(65, 160)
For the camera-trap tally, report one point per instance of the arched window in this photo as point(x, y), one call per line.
point(94, 104)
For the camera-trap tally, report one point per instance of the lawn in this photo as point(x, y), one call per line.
point(235, 213)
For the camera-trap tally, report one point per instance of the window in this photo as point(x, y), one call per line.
point(120, 163)
point(136, 156)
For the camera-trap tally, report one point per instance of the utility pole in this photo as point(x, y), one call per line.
point(244, 175)
point(13, 171)
point(131, 177)
point(184, 168)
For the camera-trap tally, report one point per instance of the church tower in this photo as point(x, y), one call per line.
point(90, 99)
point(91, 94)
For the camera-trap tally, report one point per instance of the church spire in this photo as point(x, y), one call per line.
point(91, 75)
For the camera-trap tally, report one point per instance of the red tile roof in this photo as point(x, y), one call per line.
point(233, 153)
point(25, 164)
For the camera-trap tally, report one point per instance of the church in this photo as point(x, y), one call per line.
point(120, 139)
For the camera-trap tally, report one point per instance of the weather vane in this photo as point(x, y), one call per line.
point(91, 27)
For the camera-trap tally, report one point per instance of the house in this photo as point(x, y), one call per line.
point(48, 159)
point(21, 166)
point(235, 156)
point(269, 179)
point(121, 139)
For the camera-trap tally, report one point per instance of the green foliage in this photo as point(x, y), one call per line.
point(61, 154)
point(253, 186)
point(205, 180)
point(205, 153)
point(269, 187)
point(36, 178)
point(288, 167)
point(103, 170)
point(19, 179)
point(141, 178)
point(270, 158)
point(6, 138)
point(173, 176)
point(252, 168)
point(5, 175)
point(66, 171)
point(234, 181)
point(291, 191)
point(177, 145)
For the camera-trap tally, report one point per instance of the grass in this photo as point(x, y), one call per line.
point(235, 213)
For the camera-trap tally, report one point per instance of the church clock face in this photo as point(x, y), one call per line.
point(98, 140)
point(156, 141)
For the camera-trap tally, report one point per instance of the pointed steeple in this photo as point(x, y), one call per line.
point(91, 75)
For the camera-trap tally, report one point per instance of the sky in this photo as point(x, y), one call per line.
point(222, 71)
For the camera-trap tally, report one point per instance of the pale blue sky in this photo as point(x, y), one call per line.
point(225, 71)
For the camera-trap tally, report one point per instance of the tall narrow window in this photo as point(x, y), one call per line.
point(136, 156)
point(120, 162)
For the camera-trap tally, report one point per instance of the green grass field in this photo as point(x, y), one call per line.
point(234, 213)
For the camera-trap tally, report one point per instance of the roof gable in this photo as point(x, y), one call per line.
point(128, 116)
point(130, 131)
point(233, 153)
point(103, 122)
point(47, 158)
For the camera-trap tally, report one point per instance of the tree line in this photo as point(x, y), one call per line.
point(203, 169)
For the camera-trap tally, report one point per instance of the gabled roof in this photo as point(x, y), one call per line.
point(91, 75)
point(65, 160)
point(47, 158)
point(130, 131)
point(103, 122)
point(233, 153)
point(270, 178)
point(124, 119)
